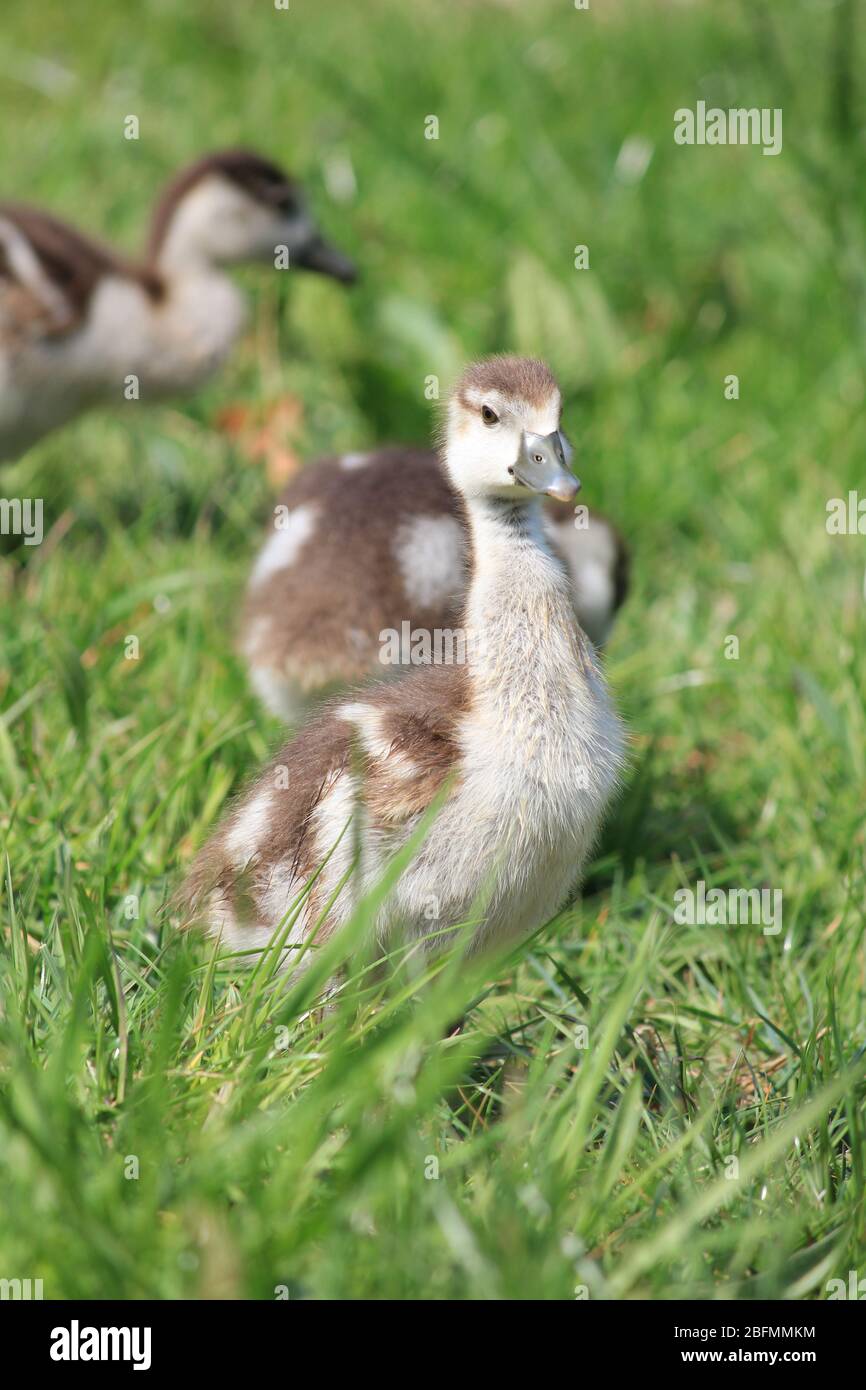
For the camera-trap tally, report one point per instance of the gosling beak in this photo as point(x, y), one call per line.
point(321, 256)
point(542, 465)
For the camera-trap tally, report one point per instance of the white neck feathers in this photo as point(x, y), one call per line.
point(523, 632)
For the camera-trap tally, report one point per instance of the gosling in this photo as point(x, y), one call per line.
point(521, 741)
point(81, 325)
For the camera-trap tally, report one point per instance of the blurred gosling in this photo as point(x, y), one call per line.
point(81, 325)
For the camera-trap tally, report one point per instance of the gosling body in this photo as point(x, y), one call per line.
point(521, 741)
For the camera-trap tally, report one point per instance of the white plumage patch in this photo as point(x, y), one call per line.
point(368, 721)
point(595, 594)
point(256, 639)
point(26, 266)
point(284, 546)
point(245, 836)
point(429, 552)
point(276, 693)
point(591, 556)
point(280, 904)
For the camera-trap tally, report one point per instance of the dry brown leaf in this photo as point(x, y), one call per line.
point(265, 434)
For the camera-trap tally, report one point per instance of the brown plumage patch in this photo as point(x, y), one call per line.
point(418, 720)
point(522, 378)
point(261, 179)
point(72, 261)
point(300, 775)
point(309, 765)
point(323, 624)
point(23, 315)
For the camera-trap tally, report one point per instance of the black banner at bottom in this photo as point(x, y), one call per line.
point(66, 1339)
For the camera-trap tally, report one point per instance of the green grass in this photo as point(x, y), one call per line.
point(275, 1147)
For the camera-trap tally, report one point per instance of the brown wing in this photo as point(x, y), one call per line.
point(49, 272)
point(322, 617)
point(22, 313)
point(418, 720)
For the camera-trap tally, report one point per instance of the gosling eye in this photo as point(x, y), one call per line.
point(489, 416)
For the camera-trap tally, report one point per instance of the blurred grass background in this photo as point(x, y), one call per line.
point(304, 1165)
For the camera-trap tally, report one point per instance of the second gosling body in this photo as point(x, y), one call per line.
point(369, 545)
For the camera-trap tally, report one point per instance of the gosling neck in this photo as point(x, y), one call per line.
point(181, 259)
point(507, 536)
point(519, 613)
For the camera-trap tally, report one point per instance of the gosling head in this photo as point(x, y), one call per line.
point(502, 433)
point(236, 206)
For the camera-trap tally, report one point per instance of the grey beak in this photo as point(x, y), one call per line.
point(542, 465)
point(321, 256)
